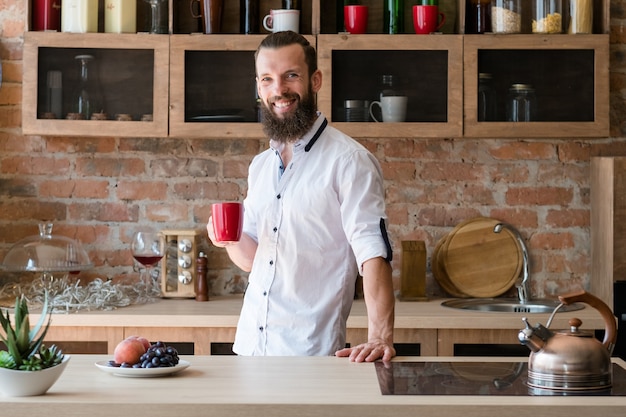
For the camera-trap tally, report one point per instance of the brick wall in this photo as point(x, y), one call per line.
point(98, 190)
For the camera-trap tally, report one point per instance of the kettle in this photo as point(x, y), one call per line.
point(571, 359)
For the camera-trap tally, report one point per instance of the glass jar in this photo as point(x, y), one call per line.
point(506, 16)
point(477, 16)
point(86, 99)
point(579, 16)
point(249, 16)
point(487, 101)
point(521, 103)
point(547, 16)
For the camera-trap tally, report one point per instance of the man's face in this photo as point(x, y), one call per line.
point(287, 92)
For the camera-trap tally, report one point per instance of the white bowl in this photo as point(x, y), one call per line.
point(28, 383)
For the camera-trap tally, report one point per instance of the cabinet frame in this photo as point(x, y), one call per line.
point(599, 127)
point(453, 44)
point(32, 125)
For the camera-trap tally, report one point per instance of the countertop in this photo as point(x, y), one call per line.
point(224, 312)
point(277, 386)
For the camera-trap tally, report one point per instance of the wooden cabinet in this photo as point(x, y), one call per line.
point(128, 73)
point(197, 85)
point(428, 71)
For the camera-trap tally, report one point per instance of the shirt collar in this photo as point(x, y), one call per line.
point(307, 139)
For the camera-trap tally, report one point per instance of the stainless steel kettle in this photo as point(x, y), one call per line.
point(571, 359)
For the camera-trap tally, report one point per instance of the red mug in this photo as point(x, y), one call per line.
point(426, 19)
point(227, 221)
point(46, 15)
point(355, 18)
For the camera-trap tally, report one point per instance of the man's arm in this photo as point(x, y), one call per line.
point(380, 302)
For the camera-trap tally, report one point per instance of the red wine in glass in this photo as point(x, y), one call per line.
point(148, 260)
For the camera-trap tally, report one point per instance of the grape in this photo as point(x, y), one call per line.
point(158, 355)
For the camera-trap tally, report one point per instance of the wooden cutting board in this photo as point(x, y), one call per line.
point(439, 271)
point(479, 262)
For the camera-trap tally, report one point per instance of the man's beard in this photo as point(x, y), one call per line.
point(293, 126)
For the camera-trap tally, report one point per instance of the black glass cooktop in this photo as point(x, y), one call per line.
point(473, 378)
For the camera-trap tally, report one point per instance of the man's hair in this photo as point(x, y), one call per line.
point(286, 38)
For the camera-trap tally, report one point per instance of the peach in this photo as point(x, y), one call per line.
point(128, 351)
point(146, 342)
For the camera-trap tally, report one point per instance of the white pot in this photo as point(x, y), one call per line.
point(15, 383)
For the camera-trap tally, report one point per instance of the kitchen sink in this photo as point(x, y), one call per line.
point(509, 305)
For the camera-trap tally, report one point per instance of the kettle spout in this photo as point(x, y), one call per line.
point(534, 337)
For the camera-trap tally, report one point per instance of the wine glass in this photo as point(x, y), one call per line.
point(148, 248)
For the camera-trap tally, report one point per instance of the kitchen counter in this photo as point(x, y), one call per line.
point(425, 328)
point(224, 312)
point(277, 386)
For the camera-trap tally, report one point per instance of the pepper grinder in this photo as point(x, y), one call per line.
point(202, 286)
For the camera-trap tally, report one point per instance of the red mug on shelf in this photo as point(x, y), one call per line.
point(355, 18)
point(426, 19)
point(46, 15)
point(227, 221)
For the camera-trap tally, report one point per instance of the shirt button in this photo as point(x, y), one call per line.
point(275, 229)
point(261, 328)
point(271, 262)
point(278, 196)
point(264, 292)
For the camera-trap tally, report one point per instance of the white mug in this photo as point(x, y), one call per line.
point(282, 19)
point(393, 108)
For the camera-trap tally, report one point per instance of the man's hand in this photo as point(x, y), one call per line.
point(368, 352)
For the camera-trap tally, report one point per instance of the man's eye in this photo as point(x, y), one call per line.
point(293, 75)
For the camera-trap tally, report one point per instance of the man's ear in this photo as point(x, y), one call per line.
point(316, 81)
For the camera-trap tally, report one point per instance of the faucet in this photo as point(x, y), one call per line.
point(523, 284)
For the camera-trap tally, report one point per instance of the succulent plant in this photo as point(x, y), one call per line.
point(25, 348)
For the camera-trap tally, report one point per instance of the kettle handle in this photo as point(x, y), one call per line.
point(610, 325)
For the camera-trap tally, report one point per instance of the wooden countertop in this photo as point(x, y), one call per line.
point(277, 386)
point(224, 312)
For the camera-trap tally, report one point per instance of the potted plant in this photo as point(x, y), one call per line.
point(27, 366)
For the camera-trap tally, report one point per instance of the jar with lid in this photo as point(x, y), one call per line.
point(487, 101)
point(547, 16)
point(477, 16)
point(521, 103)
point(579, 16)
point(506, 16)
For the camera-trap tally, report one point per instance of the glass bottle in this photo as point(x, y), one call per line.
point(388, 86)
point(86, 98)
point(393, 16)
point(158, 16)
point(249, 21)
point(477, 16)
point(521, 103)
point(547, 16)
point(293, 5)
point(487, 101)
point(506, 16)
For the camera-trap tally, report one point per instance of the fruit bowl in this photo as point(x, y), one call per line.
point(16, 383)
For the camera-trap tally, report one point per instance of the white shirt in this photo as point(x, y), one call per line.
point(315, 225)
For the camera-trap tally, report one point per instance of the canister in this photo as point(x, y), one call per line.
point(547, 16)
point(579, 16)
point(79, 16)
point(357, 110)
point(46, 15)
point(521, 103)
point(506, 16)
point(477, 16)
point(486, 98)
point(120, 16)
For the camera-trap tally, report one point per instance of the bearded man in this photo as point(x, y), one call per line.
point(314, 219)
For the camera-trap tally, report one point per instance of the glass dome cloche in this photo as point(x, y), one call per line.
point(46, 253)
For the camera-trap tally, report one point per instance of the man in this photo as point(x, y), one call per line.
point(314, 218)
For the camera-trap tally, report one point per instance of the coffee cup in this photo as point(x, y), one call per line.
point(282, 19)
point(355, 18)
point(227, 221)
point(393, 108)
point(427, 19)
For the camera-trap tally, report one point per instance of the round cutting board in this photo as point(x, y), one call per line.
point(439, 272)
point(480, 262)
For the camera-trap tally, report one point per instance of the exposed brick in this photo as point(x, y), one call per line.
point(82, 145)
point(519, 217)
point(524, 150)
point(31, 209)
point(141, 190)
point(17, 187)
point(110, 167)
point(567, 218)
point(551, 241)
point(104, 212)
point(451, 171)
point(74, 188)
point(10, 93)
point(165, 212)
point(542, 196)
point(399, 171)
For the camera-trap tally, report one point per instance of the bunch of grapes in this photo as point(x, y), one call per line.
point(158, 355)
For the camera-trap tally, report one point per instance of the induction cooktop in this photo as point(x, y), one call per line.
point(473, 378)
